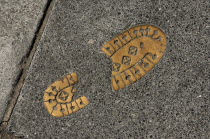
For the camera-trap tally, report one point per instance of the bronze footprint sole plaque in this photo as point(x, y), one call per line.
point(58, 97)
point(134, 53)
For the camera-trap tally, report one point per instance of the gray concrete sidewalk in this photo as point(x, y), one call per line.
point(18, 23)
point(171, 102)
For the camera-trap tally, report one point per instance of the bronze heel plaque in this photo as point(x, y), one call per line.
point(58, 97)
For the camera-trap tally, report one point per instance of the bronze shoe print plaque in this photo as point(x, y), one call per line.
point(58, 97)
point(134, 53)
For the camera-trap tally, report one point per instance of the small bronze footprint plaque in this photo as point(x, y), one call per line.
point(134, 53)
point(58, 97)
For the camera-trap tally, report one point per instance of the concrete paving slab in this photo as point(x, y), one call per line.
point(171, 102)
point(18, 24)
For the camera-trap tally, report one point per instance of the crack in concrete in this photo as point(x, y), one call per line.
point(25, 65)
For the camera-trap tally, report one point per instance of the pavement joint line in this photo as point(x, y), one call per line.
point(25, 64)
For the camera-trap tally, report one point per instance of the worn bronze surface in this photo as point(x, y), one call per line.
point(58, 97)
point(134, 53)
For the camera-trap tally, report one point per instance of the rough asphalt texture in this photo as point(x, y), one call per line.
point(171, 102)
point(18, 23)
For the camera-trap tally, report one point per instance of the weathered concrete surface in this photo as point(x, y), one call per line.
point(18, 23)
point(171, 102)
